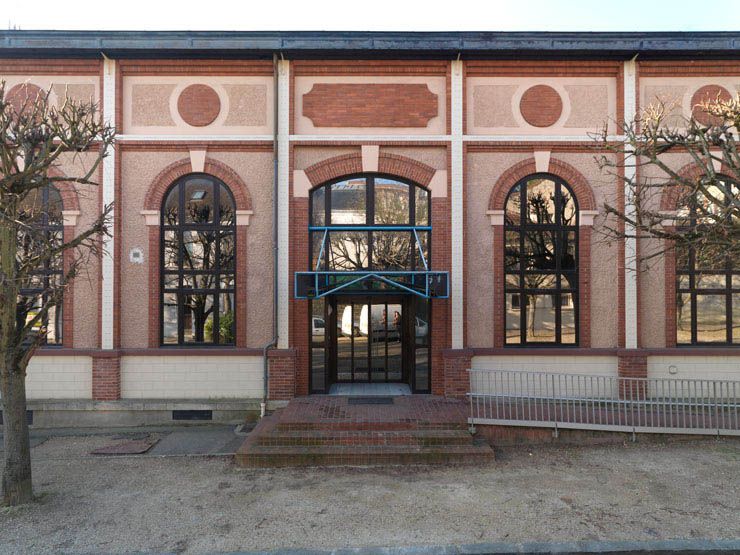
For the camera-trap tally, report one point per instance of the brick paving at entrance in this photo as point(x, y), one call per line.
point(336, 431)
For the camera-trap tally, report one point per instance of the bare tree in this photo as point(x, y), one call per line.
point(36, 137)
point(698, 210)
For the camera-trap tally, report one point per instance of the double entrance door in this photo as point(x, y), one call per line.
point(373, 339)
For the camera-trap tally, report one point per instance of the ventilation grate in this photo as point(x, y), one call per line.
point(192, 415)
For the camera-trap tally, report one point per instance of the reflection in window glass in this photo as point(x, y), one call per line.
point(391, 249)
point(198, 262)
point(422, 206)
point(541, 273)
point(348, 250)
point(391, 202)
point(707, 278)
point(348, 202)
point(41, 214)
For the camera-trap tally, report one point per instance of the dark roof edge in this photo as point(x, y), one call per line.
point(16, 43)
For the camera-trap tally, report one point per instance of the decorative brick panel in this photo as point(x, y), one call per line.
point(370, 105)
point(456, 364)
point(348, 164)
point(541, 106)
point(106, 376)
point(198, 105)
point(708, 93)
point(282, 374)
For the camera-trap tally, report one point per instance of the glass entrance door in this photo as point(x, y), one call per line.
point(373, 339)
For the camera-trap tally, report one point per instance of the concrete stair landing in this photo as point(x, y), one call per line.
point(352, 431)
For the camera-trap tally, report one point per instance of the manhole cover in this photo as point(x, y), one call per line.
point(370, 401)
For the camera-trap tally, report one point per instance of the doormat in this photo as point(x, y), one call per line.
point(370, 401)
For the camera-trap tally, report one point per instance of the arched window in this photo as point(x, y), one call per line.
point(198, 263)
point(41, 216)
point(707, 278)
point(363, 201)
point(541, 262)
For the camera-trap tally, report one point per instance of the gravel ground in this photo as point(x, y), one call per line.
point(206, 504)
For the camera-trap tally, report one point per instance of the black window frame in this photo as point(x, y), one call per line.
point(48, 270)
point(691, 272)
point(558, 291)
point(217, 272)
point(370, 217)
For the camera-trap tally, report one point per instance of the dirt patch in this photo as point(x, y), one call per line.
point(201, 504)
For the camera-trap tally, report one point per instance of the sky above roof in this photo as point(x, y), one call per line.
point(376, 15)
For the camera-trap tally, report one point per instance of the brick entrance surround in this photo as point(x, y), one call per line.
point(323, 430)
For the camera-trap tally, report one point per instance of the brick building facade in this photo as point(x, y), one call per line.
point(447, 129)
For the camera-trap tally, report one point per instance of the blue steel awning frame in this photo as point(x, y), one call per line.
point(322, 278)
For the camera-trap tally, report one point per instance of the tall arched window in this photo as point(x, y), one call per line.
point(541, 262)
point(41, 215)
point(707, 278)
point(198, 263)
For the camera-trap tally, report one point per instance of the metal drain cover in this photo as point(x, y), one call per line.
point(370, 401)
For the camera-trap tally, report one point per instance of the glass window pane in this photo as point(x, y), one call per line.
point(421, 206)
point(710, 258)
point(682, 258)
point(423, 244)
point(540, 281)
point(421, 322)
point(199, 250)
point(539, 250)
point(318, 351)
point(569, 281)
point(711, 318)
point(568, 211)
point(226, 325)
point(513, 322)
point(512, 281)
point(227, 251)
point(391, 202)
point(683, 318)
point(170, 214)
point(171, 246)
point(710, 281)
point(318, 324)
point(422, 369)
point(568, 251)
point(736, 317)
point(54, 325)
point(348, 250)
point(317, 239)
point(199, 206)
point(513, 209)
point(227, 210)
point(348, 202)
point(540, 318)
point(567, 319)
point(683, 281)
point(169, 318)
point(198, 318)
point(511, 251)
point(318, 206)
point(391, 250)
point(171, 281)
point(540, 201)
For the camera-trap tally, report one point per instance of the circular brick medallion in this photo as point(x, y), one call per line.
point(198, 105)
point(23, 95)
point(541, 106)
point(704, 94)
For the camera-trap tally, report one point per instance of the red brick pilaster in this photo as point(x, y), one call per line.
point(106, 376)
point(281, 378)
point(456, 363)
point(632, 365)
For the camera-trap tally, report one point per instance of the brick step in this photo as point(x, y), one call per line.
point(366, 437)
point(257, 456)
point(381, 426)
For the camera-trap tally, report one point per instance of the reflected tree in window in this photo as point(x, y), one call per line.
point(198, 262)
point(540, 262)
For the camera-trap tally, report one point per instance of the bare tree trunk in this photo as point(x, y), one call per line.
point(17, 488)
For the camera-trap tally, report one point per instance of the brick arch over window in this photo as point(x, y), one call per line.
point(586, 201)
point(153, 202)
point(690, 171)
point(575, 179)
point(392, 164)
point(70, 200)
point(165, 178)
